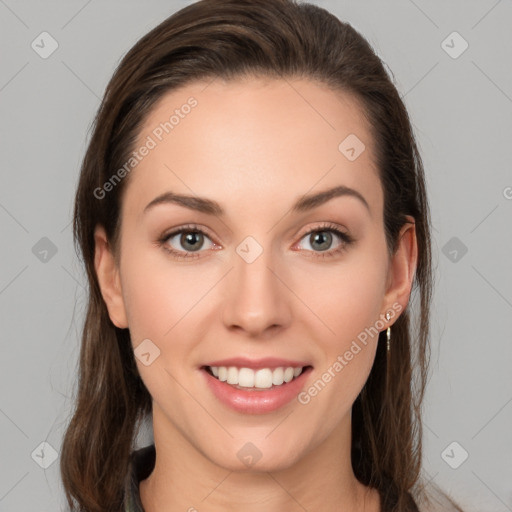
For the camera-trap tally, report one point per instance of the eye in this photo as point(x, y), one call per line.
point(185, 241)
point(321, 239)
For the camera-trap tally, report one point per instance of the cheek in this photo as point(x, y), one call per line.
point(158, 294)
point(348, 354)
point(161, 300)
point(348, 297)
point(349, 300)
point(358, 304)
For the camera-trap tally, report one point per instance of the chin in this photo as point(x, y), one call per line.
point(253, 455)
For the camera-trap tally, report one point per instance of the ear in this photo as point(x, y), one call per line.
point(402, 268)
point(108, 278)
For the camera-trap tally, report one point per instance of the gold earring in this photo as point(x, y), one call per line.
point(388, 335)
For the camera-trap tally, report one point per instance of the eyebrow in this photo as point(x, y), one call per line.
point(210, 207)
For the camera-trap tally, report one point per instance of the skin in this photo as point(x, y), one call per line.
point(255, 146)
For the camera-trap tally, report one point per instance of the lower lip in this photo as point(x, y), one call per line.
point(256, 401)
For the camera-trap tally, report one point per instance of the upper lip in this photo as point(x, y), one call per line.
point(255, 364)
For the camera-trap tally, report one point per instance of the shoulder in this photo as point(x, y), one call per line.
point(142, 462)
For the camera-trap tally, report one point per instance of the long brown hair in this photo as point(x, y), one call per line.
point(231, 39)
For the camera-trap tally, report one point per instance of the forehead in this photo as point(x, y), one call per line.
point(254, 137)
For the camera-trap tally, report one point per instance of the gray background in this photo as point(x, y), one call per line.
point(461, 109)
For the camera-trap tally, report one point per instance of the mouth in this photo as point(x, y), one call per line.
point(250, 387)
point(249, 379)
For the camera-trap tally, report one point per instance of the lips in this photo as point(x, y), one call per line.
point(256, 386)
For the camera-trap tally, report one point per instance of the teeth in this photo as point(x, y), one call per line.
point(278, 376)
point(232, 375)
point(246, 377)
point(260, 379)
point(223, 373)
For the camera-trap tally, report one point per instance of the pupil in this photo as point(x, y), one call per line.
point(191, 238)
point(324, 239)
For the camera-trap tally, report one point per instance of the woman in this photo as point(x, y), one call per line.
point(253, 219)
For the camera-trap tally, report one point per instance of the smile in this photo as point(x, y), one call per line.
point(256, 387)
point(248, 378)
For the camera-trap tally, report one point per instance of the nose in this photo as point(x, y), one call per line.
point(257, 300)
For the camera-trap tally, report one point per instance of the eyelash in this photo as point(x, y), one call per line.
point(192, 228)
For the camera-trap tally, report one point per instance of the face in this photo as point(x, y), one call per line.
point(276, 259)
